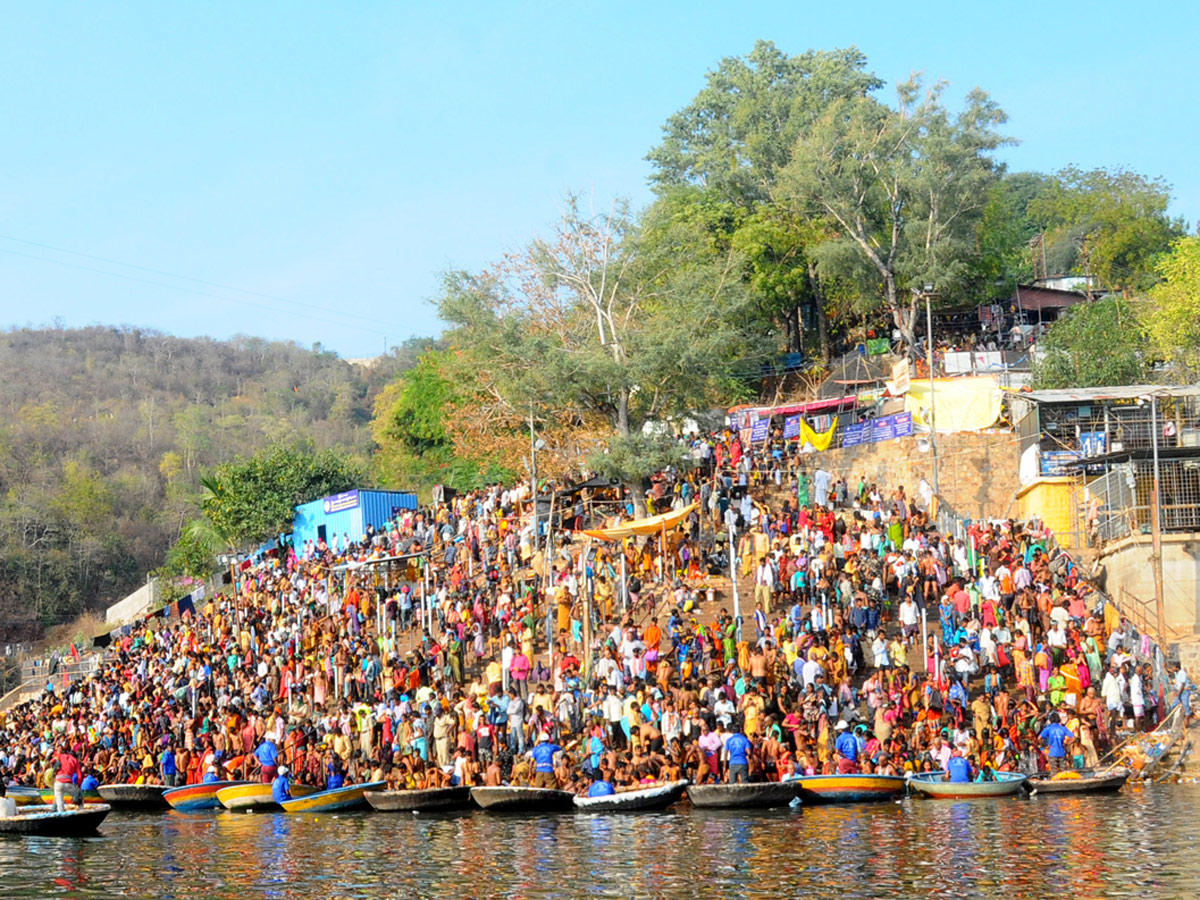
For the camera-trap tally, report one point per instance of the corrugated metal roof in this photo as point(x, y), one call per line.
point(1116, 392)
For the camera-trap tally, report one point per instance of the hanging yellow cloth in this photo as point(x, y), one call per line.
point(819, 441)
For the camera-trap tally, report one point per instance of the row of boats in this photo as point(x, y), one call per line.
point(37, 816)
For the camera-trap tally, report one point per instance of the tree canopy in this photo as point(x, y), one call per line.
point(250, 499)
point(1093, 345)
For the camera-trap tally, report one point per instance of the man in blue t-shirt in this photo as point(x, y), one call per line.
point(737, 755)
point(602, 786)
point(267, 755)
point(958, 769)
point(543, 761)
point(846, 747)
point(167, 767)
point(1055, 736)
point(281, 787)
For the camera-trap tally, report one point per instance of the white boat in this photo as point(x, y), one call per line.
point(657, 796)
point(934, 785)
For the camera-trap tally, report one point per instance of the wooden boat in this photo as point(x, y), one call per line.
point(820, 789)
point(522, 799)
point(250, 796)
point(932, 785)
point(134, 796)
point(759, 795)
point(336, 800)
point(47, 822)
point(197, 797)
point(658, 796)
point(1086, 783)
point(25, 796)
point(46, 797)
point(427, 800)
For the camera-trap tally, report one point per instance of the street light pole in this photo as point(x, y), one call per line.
point(532, 465)
point(932, 402)
point(1156, 530)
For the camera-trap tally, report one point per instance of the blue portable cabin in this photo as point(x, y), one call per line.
point(347, 513)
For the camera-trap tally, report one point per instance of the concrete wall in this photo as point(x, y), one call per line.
point(977, 473)
point(135, 605)
point(1127, 567)
point(1052, 499)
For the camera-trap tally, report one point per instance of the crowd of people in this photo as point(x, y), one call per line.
point(507, 652)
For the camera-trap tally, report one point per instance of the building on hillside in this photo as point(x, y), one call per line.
point(1088, 455)
point(348, 513)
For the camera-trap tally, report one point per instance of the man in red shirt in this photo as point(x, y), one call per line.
point(67, 778)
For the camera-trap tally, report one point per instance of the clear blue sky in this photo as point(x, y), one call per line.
point(338, 156)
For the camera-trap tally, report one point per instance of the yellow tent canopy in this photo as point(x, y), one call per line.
point(652, 525)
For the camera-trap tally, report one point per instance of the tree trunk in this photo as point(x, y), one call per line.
point(639, 498)
point(824, 351)
point(903, 318)
point(634, 484)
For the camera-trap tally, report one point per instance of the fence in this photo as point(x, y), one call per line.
point(1120, 500)
point(949, 522)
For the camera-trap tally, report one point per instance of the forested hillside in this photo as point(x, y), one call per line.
point(105, 432)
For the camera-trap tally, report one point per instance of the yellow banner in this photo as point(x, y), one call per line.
point(819, 441)
point(959, 404)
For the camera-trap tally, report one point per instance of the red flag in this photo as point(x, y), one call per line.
point(75, 652)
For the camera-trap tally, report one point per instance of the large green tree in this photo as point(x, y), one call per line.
point(904, 188)
point(720, 156)
point(606, 320)
point(413, 428)
point(1110, 224)
point(1172, 315)
point(251, 498)
point(1093, 345)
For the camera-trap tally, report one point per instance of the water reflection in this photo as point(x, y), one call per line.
point(1139, 843)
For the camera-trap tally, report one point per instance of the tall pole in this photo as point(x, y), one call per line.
point(1156, 530)
point(737, 600)
point(589, 587)
point(932, 403)
point(532, 469)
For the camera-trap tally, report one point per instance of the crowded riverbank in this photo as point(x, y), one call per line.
point(549, 655)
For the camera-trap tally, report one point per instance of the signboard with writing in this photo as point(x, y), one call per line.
point(900, 379)
point(884, 428)
point(340, 502)
point(1059, 462)
point(758, 431)
point(791, 427)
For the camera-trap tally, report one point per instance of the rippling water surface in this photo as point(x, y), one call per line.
point(1140, 843)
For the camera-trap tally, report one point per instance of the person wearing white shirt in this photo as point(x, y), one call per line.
point(910, 615)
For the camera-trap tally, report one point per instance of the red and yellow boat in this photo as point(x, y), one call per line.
point(815, 790)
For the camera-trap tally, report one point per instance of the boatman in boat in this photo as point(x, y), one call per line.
point(543, 760)
point(67, 778)
point(602, 786)
point(268, 760)
point(1054, 737)
point(958, 768)
point(281, 787)
point(846, 747)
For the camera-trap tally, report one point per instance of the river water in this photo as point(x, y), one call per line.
point(1141, 843)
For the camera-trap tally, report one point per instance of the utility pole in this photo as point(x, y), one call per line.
point(532, 468)
point(932, 402)
point(1156, 531)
